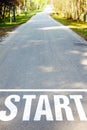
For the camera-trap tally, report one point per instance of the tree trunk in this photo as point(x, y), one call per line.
point(0, 11)
point(14, 14)
point(4, 11)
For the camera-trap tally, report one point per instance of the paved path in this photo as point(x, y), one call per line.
point(43, 54)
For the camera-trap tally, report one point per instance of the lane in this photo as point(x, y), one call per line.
point(43, 54)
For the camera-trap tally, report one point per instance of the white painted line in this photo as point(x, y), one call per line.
point(43, 90)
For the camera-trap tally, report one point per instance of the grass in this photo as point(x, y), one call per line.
point(6, 27)
point(78, 27)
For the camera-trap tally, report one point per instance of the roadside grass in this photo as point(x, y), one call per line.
point(78, 27)
point(6, 27)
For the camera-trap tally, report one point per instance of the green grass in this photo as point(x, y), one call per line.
point(78, 27)
point(6, 27)
point(19, 20)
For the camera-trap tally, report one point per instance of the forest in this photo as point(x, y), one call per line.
point(71, 9)
point(11, 8)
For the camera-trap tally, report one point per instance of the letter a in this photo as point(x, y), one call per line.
point(43, 100)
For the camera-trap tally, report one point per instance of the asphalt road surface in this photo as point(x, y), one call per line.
point(43, 54)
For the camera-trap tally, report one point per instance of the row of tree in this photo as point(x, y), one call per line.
point(9, 8)
point(72, 9)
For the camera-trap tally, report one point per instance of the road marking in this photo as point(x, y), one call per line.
point(43, 90)
point(43, 106)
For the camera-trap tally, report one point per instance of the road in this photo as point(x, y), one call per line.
point(43, 54)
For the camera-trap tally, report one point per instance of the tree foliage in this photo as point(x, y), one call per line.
point(8, 6)
point(73, 9)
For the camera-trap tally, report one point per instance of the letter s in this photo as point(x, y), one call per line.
point(12, 108)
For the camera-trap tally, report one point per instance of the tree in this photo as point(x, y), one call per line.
point(72, 9)
point(7, 6)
